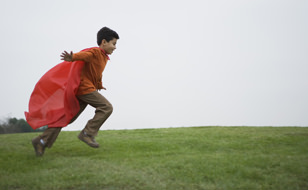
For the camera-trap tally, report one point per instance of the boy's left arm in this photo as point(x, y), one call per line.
point(101, 86)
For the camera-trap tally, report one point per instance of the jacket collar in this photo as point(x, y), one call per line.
point(104, 53)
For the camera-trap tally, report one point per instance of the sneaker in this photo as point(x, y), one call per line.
point(39, 148)
point(88, 139)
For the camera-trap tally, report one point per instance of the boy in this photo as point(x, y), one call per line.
point(91, 62)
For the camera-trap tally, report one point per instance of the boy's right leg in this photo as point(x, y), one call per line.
point(50, 135)
point(46, 139)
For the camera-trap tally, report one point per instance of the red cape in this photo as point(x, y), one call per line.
point(53, 101)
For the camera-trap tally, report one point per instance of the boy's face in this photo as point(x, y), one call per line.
point(110, 46)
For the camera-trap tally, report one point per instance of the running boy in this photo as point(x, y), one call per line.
point(90, 81)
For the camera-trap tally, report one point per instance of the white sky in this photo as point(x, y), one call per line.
point(177, 63)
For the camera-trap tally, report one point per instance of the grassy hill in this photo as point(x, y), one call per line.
point(212, 158)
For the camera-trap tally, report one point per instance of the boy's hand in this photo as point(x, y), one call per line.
point(103, 88)
point(67, 56)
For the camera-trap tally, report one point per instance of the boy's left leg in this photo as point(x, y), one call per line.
point(102, 112)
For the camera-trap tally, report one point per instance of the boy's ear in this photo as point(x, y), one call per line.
point(104, 41)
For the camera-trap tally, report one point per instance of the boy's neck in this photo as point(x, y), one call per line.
point(104, 52)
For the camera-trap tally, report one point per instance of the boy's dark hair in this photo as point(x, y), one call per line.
point(107, 34)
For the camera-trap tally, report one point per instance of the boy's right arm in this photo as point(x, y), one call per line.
point(85, 56)
point(67, 56)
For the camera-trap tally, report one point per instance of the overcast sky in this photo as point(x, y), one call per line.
point(177, 63)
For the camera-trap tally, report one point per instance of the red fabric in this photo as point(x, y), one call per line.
point(53, 101)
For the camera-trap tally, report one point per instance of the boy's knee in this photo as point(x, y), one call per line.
point(106, 109)
point(109, 108)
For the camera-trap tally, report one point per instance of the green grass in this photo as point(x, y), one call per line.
point(211, 158)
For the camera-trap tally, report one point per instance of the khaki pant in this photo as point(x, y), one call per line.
point(102, 112)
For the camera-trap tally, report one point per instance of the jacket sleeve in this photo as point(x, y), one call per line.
point(85, 56)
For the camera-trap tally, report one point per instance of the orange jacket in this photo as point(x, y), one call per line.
point(91, 75)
